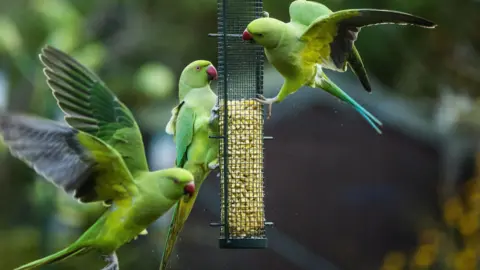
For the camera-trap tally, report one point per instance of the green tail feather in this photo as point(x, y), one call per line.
point(59, 256)
point(180, 215)
point(333, 89)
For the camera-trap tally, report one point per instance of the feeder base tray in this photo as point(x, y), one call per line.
point(255, 243)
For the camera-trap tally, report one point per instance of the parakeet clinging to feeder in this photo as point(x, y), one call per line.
point(99, 156)
point(192, 121)
point(317, 38)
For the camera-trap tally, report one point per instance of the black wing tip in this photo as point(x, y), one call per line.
point(431, 24)
point(414, 19)
point(424, 22)
point(366, 84)
point(368, 88)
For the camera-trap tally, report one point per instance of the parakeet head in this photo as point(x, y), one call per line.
point(264, 31)
point(177, 182)
point(198, 74)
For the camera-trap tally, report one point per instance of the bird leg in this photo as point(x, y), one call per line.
point(112, 261)
point(266, 101)
point(265, 14)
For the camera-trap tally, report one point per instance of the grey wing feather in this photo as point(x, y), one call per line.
point(50, 148)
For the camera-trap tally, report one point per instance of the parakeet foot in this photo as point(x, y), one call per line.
point(107, 203)
point(112, 261)
point(266, 101)
point(214, 115)
point(265, 14)
point(213, 165)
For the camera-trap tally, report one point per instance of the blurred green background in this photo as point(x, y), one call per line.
point(139, 49)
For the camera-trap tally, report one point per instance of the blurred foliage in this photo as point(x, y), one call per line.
point(139, 48)
point(455, 242)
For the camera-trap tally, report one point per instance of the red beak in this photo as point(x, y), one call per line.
point(246, 35)
point(189, 188)
point(212, 73)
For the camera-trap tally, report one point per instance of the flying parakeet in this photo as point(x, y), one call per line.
point(99, 156)
point(192, 121)
point(316, 37)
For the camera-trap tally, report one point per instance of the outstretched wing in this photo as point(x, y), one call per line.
point(331, 37)
point(305, 12)
point(77, 162)
point(91, 107)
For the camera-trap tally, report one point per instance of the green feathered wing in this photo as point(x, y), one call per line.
point(306, 12)
point(90, 106)
point(91, 158)
point(77, 162)
point(183, 122)
point(194, 152)
point(330, 37)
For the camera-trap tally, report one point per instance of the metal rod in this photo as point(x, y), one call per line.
point(223, 35)
point(225, 122)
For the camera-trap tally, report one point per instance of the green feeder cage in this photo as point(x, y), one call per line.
point(241, 119)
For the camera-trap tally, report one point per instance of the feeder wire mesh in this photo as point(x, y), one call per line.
point(241, 119)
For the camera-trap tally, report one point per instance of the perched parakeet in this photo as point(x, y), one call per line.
point(192, 121)
point(98, 157)
point(314, 38)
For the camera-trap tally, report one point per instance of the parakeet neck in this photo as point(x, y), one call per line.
point(183, 89)
point(203, 98)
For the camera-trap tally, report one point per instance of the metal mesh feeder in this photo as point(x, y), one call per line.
point(241, 119)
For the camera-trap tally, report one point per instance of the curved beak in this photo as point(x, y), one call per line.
point(246, 35)
point(212, 73)
point(189, 188)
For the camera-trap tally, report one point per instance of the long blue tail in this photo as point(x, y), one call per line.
point(333, 89)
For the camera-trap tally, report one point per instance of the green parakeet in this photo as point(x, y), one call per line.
point(317, 38)
point(99, 156)
point(192, 121)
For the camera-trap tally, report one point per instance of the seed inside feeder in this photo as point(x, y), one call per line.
point(246, 217)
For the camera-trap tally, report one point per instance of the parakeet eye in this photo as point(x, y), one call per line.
point(260, 35)
point(175, 180)
point(197, 68)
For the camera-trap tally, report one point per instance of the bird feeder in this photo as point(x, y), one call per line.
point(241, 118)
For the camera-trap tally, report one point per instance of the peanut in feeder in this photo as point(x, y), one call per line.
point(241, 119)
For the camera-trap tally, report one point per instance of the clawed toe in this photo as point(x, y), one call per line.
point(112, 266)
point(213, 166)
point(266, 101)
point(215, 109)
point(112, 261)
point(261, 97)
